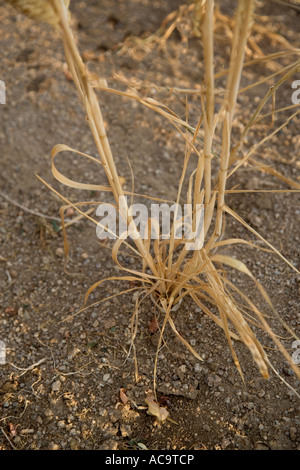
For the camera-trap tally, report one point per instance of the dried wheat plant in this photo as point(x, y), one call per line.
point(169, 271)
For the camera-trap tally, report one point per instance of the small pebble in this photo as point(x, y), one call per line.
point(54, 446)
point(74, 445)
point(56, 386)
point(59, 251)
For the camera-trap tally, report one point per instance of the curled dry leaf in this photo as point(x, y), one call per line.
point(123, 396)
point(154, 409)
point(153, 325)
point(12, 429)
point(142, 446)
point(11, 311)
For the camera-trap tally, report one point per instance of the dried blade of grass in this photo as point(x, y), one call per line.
point(233, 241)
point(275, 191)
point(64, 225)
point(112, 278)
point(225, 314)
point(209, 212)
point(243, 22)
point(71, 183)
point(74, 220)
point(274, 37)
point(87, 97)
point(275, 112)
point(250, 340)
point(240, 266)
point(158, 107)
point(229, 311)
point(8, 439)
point(150, 277)
point(267, 299)
point(224, 72)
point(234, 263)
point(91, 187)
point(208, 50)
point(294, 65)
point(190, 272)
point(268, 329)
point(98, 302)
point(69, 203)
point(147, 241)
point(246, 335)
point(86, 215)
point(115, 250)
point(224, 160)
point(199, 176)
point(237, 217)
point(160, 265)
point(75, 184)
point(184, 341)
point(95, 119)
point(211, 315)
point(270, 94)
point(254, 148)
point(271, 171)
point(284, 381)
point(184, 250)
point(27, 209)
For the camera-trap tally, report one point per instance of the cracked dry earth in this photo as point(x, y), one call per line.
point(60, 385)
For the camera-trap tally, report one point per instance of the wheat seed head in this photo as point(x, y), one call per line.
point(39, 10)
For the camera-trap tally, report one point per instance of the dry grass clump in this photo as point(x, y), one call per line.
point(170, 271)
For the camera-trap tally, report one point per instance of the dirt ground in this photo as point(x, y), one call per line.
point(60, 385)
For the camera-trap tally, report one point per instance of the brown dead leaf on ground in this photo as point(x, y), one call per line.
point(153, 325)
point(154, 409)
point(123, 396)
